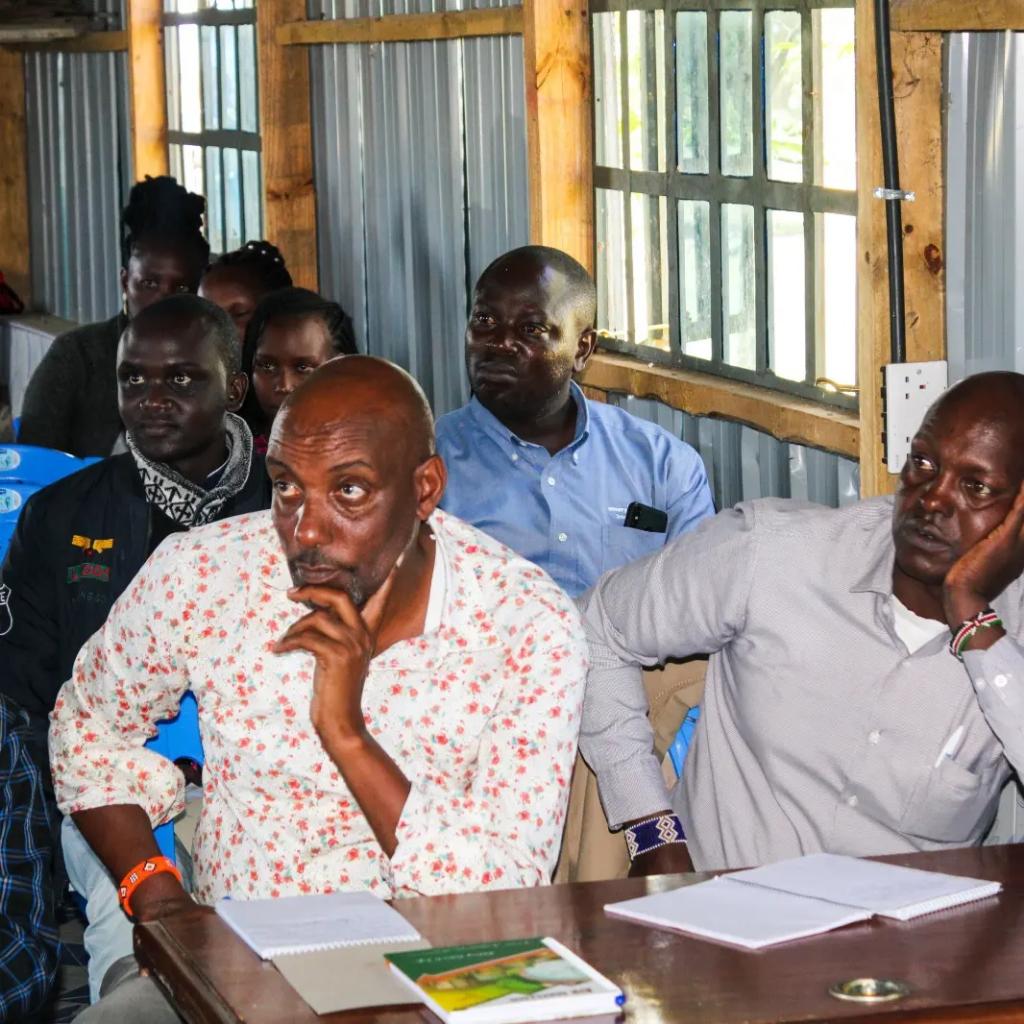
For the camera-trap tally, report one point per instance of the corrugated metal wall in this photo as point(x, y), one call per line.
point(743, 463)
point(79, 174)
point(420, 155)
point(985, 202)
point(421, 181)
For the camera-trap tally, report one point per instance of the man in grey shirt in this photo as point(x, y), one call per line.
point(835, 715)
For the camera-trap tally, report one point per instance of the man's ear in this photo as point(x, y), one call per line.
point(431, 480)
point(124, 279)
point(238, 385)
point(585, 348)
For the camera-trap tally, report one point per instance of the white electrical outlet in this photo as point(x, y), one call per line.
point(910, 388)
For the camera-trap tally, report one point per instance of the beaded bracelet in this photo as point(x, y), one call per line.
point(142, 871)
point(987, 618)
point(652, 834)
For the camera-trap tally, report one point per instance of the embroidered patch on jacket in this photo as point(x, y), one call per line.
point(92, 547)
point(88, 571)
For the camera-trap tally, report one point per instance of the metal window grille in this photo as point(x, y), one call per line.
point(725, 178)
point(213, 113)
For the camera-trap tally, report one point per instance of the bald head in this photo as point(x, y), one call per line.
point(995, 398)
point(351, 458)
point(965, 469)
point(575, 287)
point(352, 388)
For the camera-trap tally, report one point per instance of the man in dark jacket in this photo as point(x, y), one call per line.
point(80, 541)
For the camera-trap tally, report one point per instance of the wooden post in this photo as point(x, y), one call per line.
point(917, 69)
point(14, 221)
point(148, 87)
point(289, 195)
point(556, 46)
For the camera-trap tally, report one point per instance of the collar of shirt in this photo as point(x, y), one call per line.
point(490, 425)
point(463, 623)
point(879, 556)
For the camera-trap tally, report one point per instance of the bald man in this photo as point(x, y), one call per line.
point(862, 697)
point(389, 699)
point(575, 486)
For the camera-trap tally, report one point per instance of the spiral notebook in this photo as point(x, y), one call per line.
point(304, 924)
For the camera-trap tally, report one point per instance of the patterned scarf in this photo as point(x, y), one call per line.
point(185, 502)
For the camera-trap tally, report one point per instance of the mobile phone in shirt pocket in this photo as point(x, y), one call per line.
point(622, 545)
point(952, 804)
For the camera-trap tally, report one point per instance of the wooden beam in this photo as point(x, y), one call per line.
point(289, 195)
point(14, 223)
point(704, 394)
point(148, 87)
point(398, 28)
point(41, 31)
point(956, 15)
point(87, 42)
point(556, 48)
point(917, 71)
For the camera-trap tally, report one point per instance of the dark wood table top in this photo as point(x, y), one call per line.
point(964, 964)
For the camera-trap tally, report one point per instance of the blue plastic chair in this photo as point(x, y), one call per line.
point(681, 744)
point(13, 495)
point(25, 469)
point(39, 466)
point(177, 738)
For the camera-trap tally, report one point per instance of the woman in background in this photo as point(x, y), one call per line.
point(238, 280)
point(71, 401)
point(291, 333)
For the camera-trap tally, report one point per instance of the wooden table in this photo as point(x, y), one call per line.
point(964, 964)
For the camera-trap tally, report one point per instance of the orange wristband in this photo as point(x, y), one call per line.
point(140, 873)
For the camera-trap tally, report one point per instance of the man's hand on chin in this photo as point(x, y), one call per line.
point(665, 860)
point(343, 639)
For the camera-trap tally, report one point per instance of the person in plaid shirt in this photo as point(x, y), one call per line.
point(28, 932)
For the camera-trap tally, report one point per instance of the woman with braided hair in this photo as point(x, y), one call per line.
point(238, 280)
point(71, 400)
point(291, 332)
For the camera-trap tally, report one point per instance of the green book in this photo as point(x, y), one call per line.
point(506, 982)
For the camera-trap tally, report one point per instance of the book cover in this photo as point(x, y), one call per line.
point(519, 979)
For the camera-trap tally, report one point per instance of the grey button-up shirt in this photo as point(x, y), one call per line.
point(819, 731)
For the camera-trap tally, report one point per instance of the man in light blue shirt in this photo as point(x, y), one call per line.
point(577, 487)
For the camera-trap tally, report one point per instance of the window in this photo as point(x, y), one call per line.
point(725, 177)
point(212, 113)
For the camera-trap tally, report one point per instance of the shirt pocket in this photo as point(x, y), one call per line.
point(953, 805)
point(622, 545)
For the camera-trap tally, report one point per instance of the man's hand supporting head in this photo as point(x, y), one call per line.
point(959, 514)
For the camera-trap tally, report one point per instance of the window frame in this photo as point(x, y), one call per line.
point(220, 138)
point(716, 188)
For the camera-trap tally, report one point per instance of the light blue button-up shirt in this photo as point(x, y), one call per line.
point(565, 512)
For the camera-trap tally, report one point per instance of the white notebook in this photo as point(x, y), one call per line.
point(804, 896)
point(301, 924)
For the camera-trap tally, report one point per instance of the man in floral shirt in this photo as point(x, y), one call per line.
point(389, 699)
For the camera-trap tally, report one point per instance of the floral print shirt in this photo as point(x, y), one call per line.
point(481, 714)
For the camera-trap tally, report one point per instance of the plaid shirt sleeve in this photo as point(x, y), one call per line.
point(28, 933)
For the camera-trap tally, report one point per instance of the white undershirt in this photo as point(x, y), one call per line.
point(438, 591)
point(912, 629)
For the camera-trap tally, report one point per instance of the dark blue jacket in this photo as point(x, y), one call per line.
point(77, 546)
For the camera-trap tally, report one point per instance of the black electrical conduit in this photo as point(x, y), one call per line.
point(891, 182)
